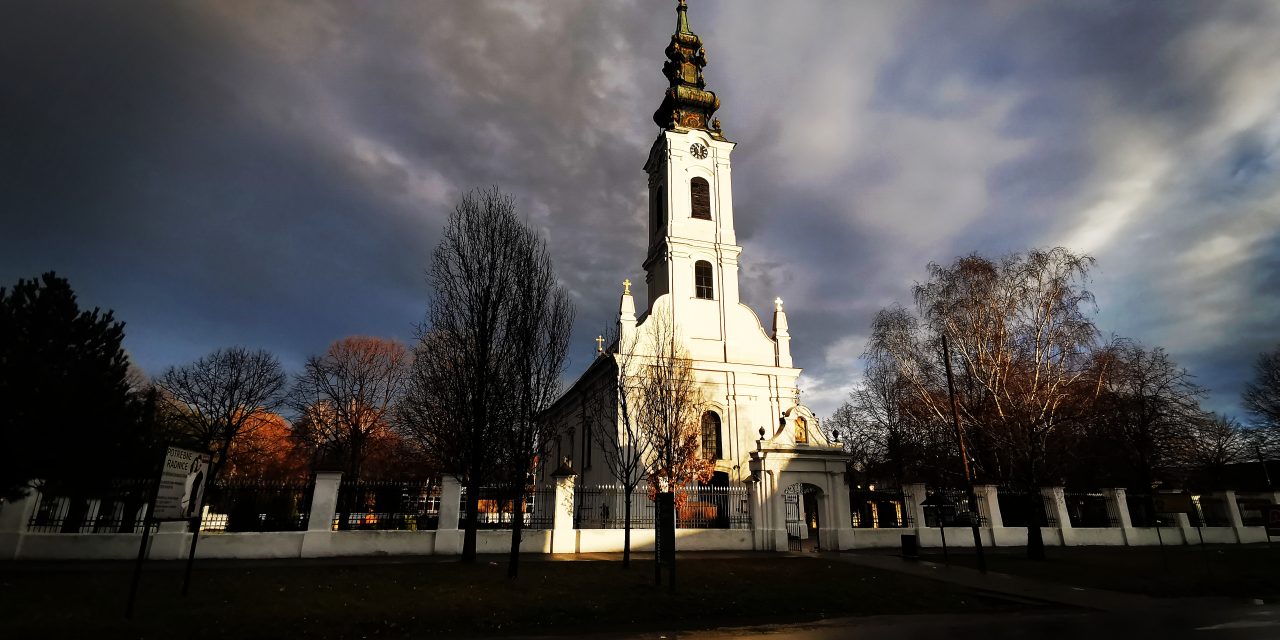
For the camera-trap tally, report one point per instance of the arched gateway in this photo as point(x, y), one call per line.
point(800, 496)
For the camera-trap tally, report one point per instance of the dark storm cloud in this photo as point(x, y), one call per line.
point(277, 174)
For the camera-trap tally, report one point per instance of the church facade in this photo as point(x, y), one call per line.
point(753, 427)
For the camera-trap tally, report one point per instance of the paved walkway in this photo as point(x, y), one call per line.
point(1015, 587)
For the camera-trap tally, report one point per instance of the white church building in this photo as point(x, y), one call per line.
point(753, 426)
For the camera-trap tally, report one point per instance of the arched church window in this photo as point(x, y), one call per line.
point(702, 283)
point(700, 197)
point(802, 430)
point(711, 436)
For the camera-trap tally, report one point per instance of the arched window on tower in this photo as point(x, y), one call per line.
point(700, 197)
point(702, 282)
point(711, 436)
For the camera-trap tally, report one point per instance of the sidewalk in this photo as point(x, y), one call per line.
point(1008, 585)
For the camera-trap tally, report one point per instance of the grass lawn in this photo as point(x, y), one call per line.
point(1251, 571)
point(433, 598)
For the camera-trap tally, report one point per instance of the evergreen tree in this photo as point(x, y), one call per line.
point(66, 413)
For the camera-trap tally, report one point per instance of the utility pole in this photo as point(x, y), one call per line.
point(964, 458)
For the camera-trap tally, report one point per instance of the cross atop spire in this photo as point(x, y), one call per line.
point(687, 104)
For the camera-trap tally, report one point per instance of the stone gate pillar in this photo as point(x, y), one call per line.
point(1118, 502)
point(563, 538)
point(914, 495)
point(14, 516)
point(1055, 502)
point(448, 536)
point(842, 527)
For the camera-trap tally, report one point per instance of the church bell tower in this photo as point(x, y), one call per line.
point(693, 253)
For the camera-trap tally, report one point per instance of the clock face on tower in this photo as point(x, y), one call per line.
point(698, 150)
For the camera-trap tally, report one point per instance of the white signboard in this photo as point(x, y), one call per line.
point(182, 481)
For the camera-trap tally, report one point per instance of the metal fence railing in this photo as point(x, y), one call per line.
point(949, 507)
point(400, 505)
point(257, 506)
point(1023, 509)
point(697, 507)
point(713, 507)
point(1088, 509)
point(119, 508)
point(496, 508)
point(1142, 512)
point(604, 507)
point(1251, 511)
point(1213, 511)
point(879, 509)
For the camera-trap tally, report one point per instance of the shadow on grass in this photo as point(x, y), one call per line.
point(402, 600)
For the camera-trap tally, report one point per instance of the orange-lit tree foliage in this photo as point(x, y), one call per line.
point(268, 450)
point(345, 397)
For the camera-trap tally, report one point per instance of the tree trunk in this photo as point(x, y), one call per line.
point(469, 525)
point(517, 530)
point(626, 532)
point(1035, 537)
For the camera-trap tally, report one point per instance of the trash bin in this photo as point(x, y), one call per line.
point(910, 546)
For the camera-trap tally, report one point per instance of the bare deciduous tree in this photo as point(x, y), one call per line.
point(1262, 395)
point(1216, 441)
point(347, 394)
point(539, 327)
point(216, 398)
point(490, 355)
point(614, 424)
point(1147, 407)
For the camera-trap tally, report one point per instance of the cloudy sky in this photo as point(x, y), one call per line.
point(277, 174)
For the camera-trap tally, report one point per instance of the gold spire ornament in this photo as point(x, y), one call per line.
point(626, 287)
point(687, 104)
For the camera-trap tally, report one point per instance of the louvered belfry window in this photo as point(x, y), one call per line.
point(702, 284)
point(700, 196)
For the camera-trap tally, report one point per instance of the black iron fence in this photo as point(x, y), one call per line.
point(119, 508)
point(1025, 508)
point(697, 507)
point(949, 507)
point(496, 508)
point(1143, 513)
point(713, 507)
point(1089, 509)
point(400, 505)
point(879, 509)
point(1251, 511)
point(604, 507)
point(250, 505)
point(1213, 511)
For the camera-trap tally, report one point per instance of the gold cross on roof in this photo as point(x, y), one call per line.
point(626, 287)
point(599, 344)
